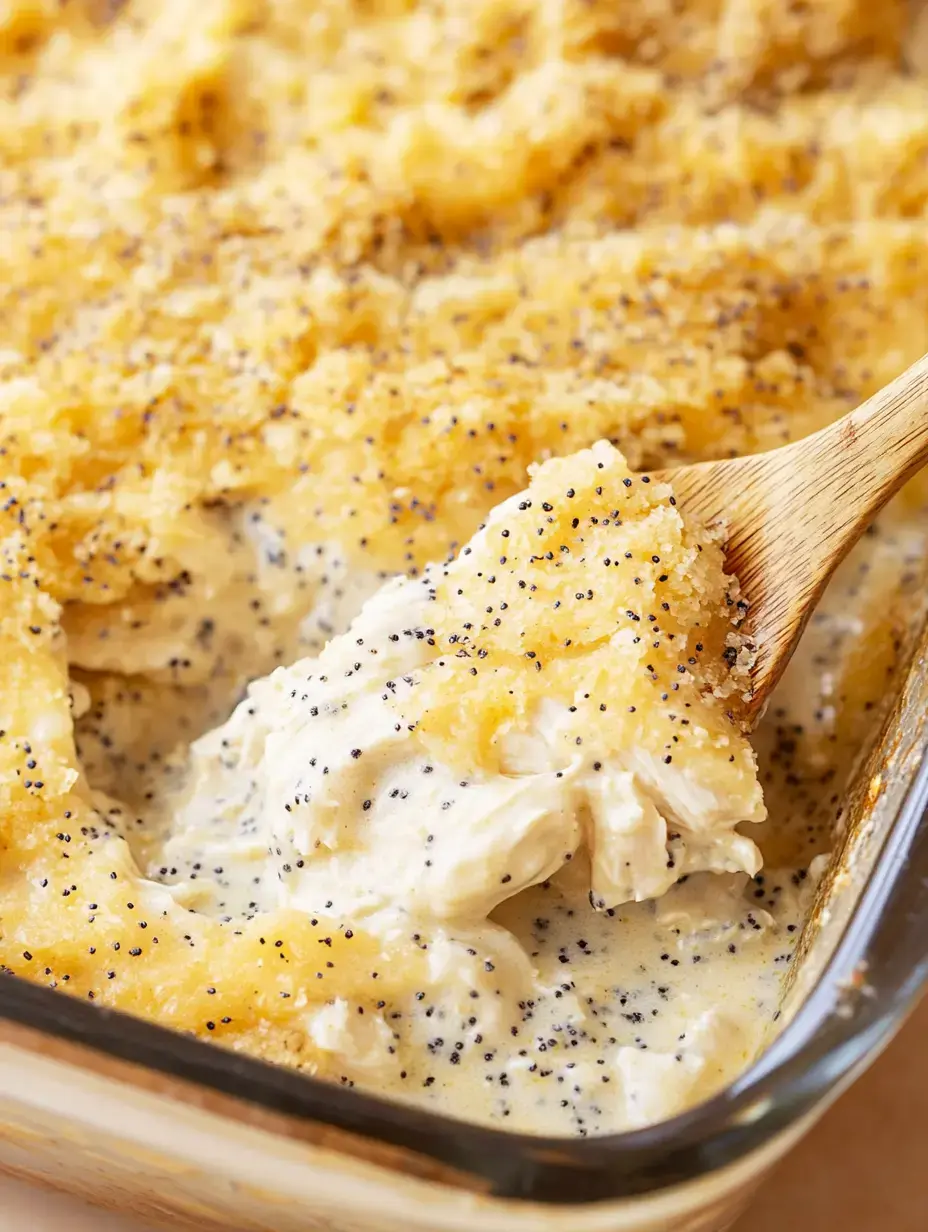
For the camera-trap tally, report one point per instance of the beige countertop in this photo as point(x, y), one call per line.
point(863, 1169)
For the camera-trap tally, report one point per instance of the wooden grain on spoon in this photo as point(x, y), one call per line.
point(790, 516)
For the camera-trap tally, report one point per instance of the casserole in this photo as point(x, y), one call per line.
point(130, 1115)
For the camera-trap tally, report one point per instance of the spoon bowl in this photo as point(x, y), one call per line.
point(789, 517)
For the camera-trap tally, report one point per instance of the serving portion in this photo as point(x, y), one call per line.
point(338, 339)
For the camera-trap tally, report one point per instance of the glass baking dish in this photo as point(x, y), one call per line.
point(132, 1115)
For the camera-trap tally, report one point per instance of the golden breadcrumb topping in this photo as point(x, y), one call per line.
point(376, 257)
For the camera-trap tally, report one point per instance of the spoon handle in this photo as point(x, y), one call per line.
point(864, 458)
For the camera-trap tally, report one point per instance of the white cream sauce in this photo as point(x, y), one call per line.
point(539, 1012)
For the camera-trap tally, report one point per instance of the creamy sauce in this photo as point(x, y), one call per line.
point(573, 1019)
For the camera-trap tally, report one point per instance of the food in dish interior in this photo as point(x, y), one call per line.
point(366, 705)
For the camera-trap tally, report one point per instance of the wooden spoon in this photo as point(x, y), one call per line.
point(790, 516)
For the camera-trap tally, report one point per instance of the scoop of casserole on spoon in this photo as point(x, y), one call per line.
point(790, 516)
